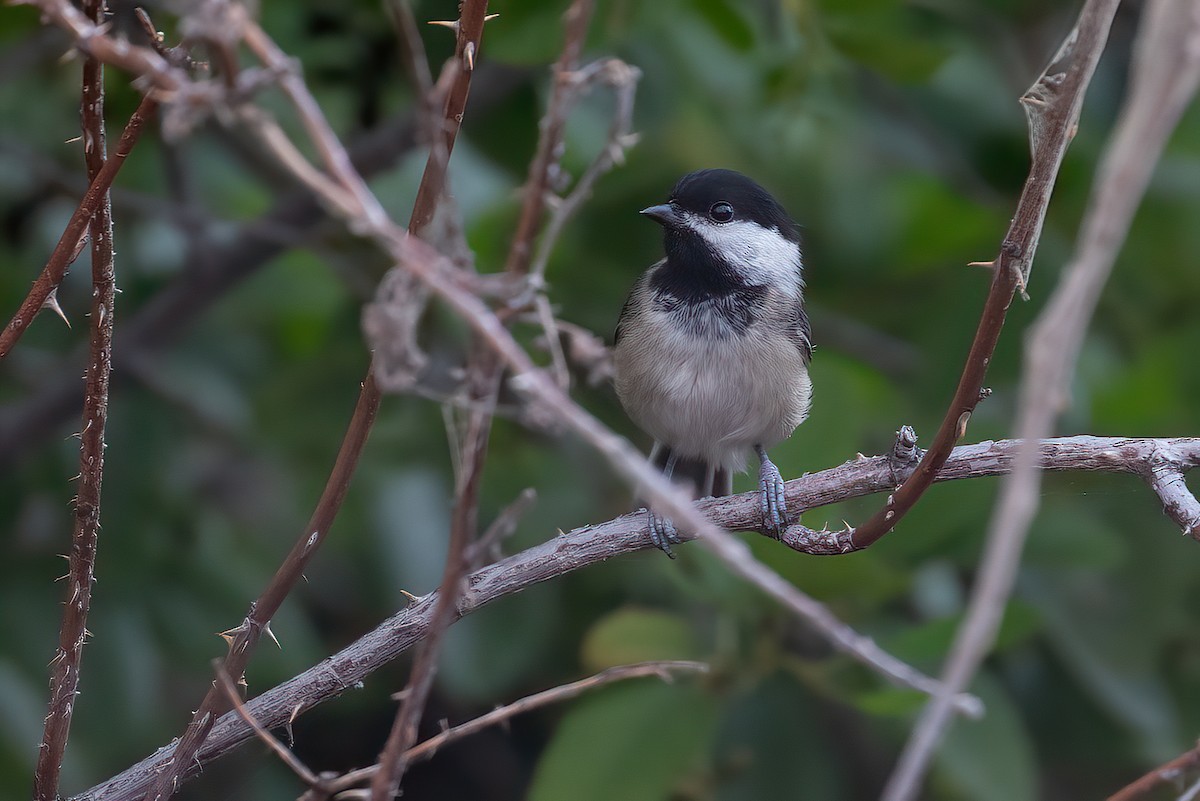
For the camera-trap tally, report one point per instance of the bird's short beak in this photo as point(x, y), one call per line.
point(663, 214)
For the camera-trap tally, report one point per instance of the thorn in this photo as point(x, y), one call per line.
point(267, 631)
point(846, 523)
point(445, 23)
point(51, 303)
point(408, 595)
point(228, 635)
point(960, 428)
point(469, 56)
point(73, 140)
point(991, 265)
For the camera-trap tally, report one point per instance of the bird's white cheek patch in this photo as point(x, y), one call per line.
point(763, 256)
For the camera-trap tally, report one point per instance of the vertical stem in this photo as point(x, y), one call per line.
point(64, 681)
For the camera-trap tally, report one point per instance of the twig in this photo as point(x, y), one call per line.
point(595, 544)
point(487, 547)
point(393, 762)
point(333, 154)
point(253, 244)
point(1164, 76)
point(400, 14)
point(85, 534)
point(549, 146)
point(555, 695)
point(1168, 773)
point(482, 387)
point(92, 39)
point(623, 79)
point(69, 243)
point(283, 752)
point(1052, 105)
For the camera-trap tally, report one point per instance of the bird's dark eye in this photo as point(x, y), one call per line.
point(721, 212)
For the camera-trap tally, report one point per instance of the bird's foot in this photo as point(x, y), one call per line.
point(774, 506)
point(662, 533)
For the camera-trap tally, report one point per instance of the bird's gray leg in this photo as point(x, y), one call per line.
point(770, 484)
point(662, 530)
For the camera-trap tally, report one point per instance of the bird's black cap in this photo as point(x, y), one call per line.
point(699, 191)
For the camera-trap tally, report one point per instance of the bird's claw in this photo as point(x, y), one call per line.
point(662, 533)
point(774, 506)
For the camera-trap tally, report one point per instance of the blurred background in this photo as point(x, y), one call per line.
point(890, 130)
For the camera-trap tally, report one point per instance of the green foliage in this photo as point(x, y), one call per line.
point(891, 132)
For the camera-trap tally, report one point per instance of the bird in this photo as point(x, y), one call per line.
point(713, 345)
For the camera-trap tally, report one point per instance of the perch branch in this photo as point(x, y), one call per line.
point(598, 543)
point(1163, 78)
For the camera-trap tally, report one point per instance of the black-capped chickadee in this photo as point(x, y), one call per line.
point(713, 345)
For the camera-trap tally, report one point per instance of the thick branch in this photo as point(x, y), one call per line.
point(594, 544)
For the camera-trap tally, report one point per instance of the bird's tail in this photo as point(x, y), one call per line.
point(706, 479)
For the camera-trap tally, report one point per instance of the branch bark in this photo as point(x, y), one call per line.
point(85, 536)
point(598, 543)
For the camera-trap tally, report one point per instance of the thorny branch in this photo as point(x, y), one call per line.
point(42, 294)
point(344, 189)
point(1052, 105)
point(1172, 772)
point(1163, 79)
point(593, 544)
point(352, 200)
point(85, 534)
point(430, 268)
point(483, 380)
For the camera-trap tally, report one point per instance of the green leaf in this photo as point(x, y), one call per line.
point(632, 742)
point(637, 635)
